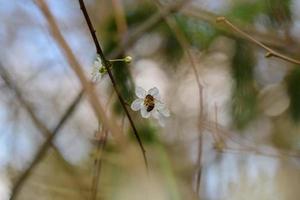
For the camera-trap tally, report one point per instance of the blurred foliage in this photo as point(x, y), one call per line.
point(246, 11)
point(293, 88)
point(199, 33)
point(147, 133)
point(244, 95)
point(278, 11)
point(286, 133)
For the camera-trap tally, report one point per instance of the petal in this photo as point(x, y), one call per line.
point(159, 105)
point(136, 104)
point(144, 112)
point(162, 109)
point(165, 112)
point(153, 91)
point(140, 92)
point(155, 114)
point(161, 121)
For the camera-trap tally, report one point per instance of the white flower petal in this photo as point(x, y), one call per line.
point(96, 75)
point(161, 120)
point(159, 105)
point(140, 92)
point(153, 91)
point(137, 104)
point(144, 112)
point(165, 112)
point(155, 113)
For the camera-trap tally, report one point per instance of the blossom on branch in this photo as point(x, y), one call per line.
point(98, 69)
point(149, 103)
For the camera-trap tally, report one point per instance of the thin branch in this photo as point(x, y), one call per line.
point(120, 18)
point(74, 64)
point(101, 142)
point(269, 38)
point(154, 20)
point(38, 123)
point(270, 51)
point(108, 65)
point(41, 152)
point(183, 41)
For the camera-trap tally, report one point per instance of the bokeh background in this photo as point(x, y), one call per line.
point(241, 140)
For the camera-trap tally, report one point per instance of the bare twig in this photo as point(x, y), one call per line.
point(108, 65)
point(41, 152)
point(270, 51)
point(270, 38)
point(74, 63)
point(38, 123)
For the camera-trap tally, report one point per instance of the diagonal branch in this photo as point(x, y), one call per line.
point(49, 134)
point(108, 65)
point(75, 65)
point(269, 38)
point(270, 51)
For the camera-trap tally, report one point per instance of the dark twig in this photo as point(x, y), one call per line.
point(108, 65)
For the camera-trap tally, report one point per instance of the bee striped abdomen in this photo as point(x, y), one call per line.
point(149, 102)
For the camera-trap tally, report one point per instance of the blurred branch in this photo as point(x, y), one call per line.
point(38, 123)
point(74, 64)
point(184, 43)
point(270, 52)
point(244, 146)
point(98, 163)
point(120, 18)
point(268, 38)
point(101, 142)
point(133, 35)
point(107, 64)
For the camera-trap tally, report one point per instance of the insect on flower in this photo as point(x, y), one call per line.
point(149, 103)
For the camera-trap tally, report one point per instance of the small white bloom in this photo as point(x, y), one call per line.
point(149, 103)
point(98, 70)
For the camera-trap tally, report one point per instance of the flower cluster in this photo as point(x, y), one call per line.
point(149, 103)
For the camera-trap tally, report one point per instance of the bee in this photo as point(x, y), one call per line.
point(149, 102)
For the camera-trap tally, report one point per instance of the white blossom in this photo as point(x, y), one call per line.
point(98, 70)
point(149, 103)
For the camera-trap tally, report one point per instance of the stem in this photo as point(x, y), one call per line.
point(270, 51)
point(107, 65)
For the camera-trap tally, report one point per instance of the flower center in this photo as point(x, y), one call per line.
point(149, 102)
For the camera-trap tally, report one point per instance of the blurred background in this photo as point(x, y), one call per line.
point(234, 129)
